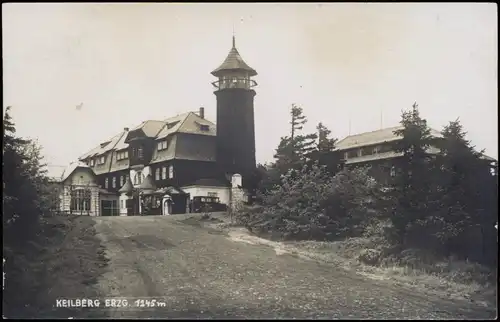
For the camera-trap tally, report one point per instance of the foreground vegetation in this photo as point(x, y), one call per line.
point(46, 257)
point(436, 217)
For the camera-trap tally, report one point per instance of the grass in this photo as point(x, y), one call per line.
point(450, 278)
point(64, 263)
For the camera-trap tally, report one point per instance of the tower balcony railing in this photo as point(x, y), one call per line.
point(235, 82)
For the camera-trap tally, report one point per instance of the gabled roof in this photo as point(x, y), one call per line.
point(150, 127)
point(186, 123)
point(172, 125)
point(189, 123)
point(374, 137)
point(233, 62)
point(101, 149)
point(71, 168)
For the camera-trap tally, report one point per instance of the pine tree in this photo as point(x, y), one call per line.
point(414, 182)
point(25, 186)
point(466, 188)
point(293, 150)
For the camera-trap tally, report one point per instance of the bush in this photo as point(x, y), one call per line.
point(311, 204)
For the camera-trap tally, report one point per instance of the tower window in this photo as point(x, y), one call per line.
point(138, 178)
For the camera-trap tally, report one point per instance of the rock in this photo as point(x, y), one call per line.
point(369, 256)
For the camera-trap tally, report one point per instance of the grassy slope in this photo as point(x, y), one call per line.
point(448, 278)
point(65, 263)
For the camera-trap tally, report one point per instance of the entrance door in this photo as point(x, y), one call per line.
point(106, 208)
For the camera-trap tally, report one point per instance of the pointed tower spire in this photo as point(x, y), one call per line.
point(234, 62)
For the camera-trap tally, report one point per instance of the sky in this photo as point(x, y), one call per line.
point(352, 66)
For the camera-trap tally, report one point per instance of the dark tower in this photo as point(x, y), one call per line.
point(235, 148)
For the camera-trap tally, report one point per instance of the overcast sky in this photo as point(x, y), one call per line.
point(131, 62)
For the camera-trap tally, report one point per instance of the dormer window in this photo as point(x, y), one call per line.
point(122, 155)
point(162, 145)
point(92, 162)
point(204, 128)
point(171, 125)
point(101, 159)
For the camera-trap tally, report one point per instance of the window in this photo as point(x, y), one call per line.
point(204, 127)
point(157, 174)
point(171, 172)
point(80, 200)
point(384, 148)
point(92, 162)
point(393, 171)
point(212, 194)
point(140, 153)
point(114, 182)
point(366, 151)
point(101, 160)
point(162, 145)
point(171, 125)
point(164, 173)
point(106, 183)
point(122, 204)
point(122, 181)
point(346, 155)
point(122, 155)
point(352, 153)
point(375, 150)
point(138, 178)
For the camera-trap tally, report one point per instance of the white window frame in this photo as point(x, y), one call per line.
point(164, 173)
point(171, 172)
point(138, 178)
point(162, 145)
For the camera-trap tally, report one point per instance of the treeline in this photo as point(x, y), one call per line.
point(27, 195)
point(444, 202)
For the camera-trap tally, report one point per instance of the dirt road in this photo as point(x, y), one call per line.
point(195, 272)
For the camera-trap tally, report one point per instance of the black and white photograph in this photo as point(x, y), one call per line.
point(250, 160)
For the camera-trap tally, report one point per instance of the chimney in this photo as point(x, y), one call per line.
point(202, 112)
point(125, 129)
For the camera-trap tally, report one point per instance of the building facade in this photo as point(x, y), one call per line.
point(376, 148)
point(158, 166)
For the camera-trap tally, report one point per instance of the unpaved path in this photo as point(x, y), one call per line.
point(200, 273)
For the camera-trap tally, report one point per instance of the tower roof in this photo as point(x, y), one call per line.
point(147, 183)
point(127, 187)
point(234, 62)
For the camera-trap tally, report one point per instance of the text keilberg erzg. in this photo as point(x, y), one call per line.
point(68, 303)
